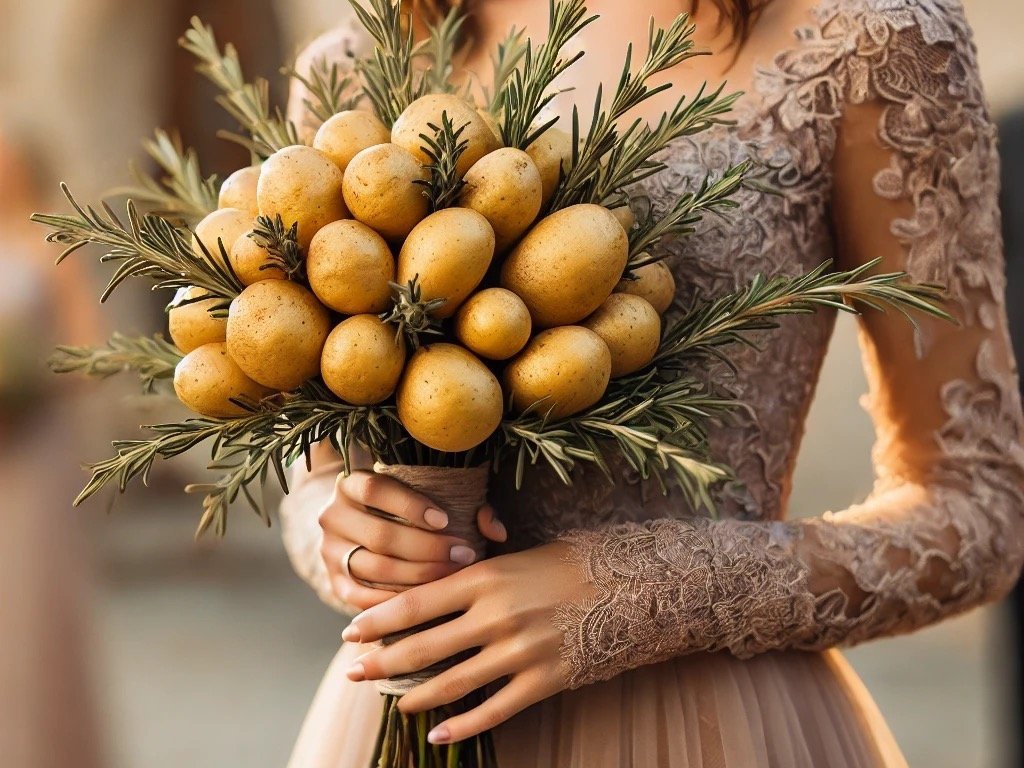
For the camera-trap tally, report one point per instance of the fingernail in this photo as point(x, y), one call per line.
point(356, 673)
point(440, 735)
point(351, 634)
point(435, 518)
point(462, 555)
point(501, 529)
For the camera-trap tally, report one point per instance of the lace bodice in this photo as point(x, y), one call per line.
point(876, 132)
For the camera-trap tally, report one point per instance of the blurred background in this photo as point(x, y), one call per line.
point(123, 644)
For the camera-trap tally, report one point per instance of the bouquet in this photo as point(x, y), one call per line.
point(450, 286)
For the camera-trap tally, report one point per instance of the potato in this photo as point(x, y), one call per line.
point(380, 192)
point(303, 185)
point(505, 187)
point(239, 191)
point(427, 110)
point(191, 325)
point(551, 152)
point(448, 400)
point(493, 323)
point(492, 123)
point(224, 225)
point(625, 216)
point(276, 332)
point(450, 252)
point(348, 133)
point(562, 371)
point(567, 264)
point(631, 328)
point(207, 379)
point(349, 267)
point(362, 360)
point(654, 282)
point(248, 259)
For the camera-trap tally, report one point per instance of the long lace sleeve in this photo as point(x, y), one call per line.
point(915, 181)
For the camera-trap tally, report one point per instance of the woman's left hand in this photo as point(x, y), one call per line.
point(507, 606)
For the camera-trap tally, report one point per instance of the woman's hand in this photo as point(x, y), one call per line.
point(507, 606)
point(394, 555)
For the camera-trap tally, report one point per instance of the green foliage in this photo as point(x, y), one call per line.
point(331, 91)
point(281, 244)
point(444, 149)
point(387, 73)
point(152, 358)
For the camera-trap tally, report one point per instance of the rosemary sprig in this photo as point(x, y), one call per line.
point(504, 63)
point(443, 149)
point(152, 358)
point(439, 51)
point(412, 316)
point(387, 73)
point(148, 246)
point(331, 91)
point(183, 192)
point(248, 103)
point(523, 95)
point(281, 245)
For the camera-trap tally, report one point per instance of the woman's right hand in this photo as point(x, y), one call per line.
point(393, 556)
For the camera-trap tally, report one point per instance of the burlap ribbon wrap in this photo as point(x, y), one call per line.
point(459, 493)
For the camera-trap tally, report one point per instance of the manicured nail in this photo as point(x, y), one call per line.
point(351, 634)
point(435, 518)
point(462, 555)
point(440, 735)
point(500, 529)
point(356, 673)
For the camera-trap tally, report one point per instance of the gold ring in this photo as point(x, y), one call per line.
point(346, 565)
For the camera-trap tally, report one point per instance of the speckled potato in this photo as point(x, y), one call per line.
point(303, 185)
point(625, 216)
point(363, 360)
point(493, 323)
point(567, 264)
point(191, 325)
point(349, 267)
point(225, 225)
point(276, 332)
point(551, 152)
point(631, 328)
point(562, 371)
point(380, 192)
point(239, 191)
point(448, 400)
point(450, 252)
point(654, 282)
point(492, 123)
point(248, 260)
point(207, 379)
point(348, 133)
point(505, 187)
point(427, 110)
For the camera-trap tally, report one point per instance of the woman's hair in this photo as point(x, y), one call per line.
point(737, 14)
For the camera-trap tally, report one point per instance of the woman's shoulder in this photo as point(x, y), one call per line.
point(936, 22)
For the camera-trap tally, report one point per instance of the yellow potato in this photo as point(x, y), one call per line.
point(224, 225)
point(631, 328)
point(239, 191)
point(505, 187)
point(450, 252)
point(493, 323)
point(191, 325)
point(427, 110)
point(349, 267)
point(248, 260)
point(492, 123)
point(363, 360)
point(625, 216)
point(567, 264)
point(562, 371)
point(276, 332)
point(348, 133)
point(448, 400)
point(655, 283)
point(380, 192)
point(302, 185)
point(207, 379)
point(551, 152)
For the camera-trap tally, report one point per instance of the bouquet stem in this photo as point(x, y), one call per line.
point(402, 740)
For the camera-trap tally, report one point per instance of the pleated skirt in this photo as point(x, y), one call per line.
point(777, 710)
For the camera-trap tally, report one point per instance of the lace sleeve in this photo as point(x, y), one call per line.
point(916, 183)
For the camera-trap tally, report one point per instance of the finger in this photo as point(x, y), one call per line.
point(408, 609)
point(419, 651)
point(362, 597)
point(394, 498)
point(459, 681)
point(385, 537)
point(365, 565)
point(489, 524)
point(522, 691)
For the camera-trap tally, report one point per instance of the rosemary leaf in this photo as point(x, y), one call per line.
point(152, 358)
